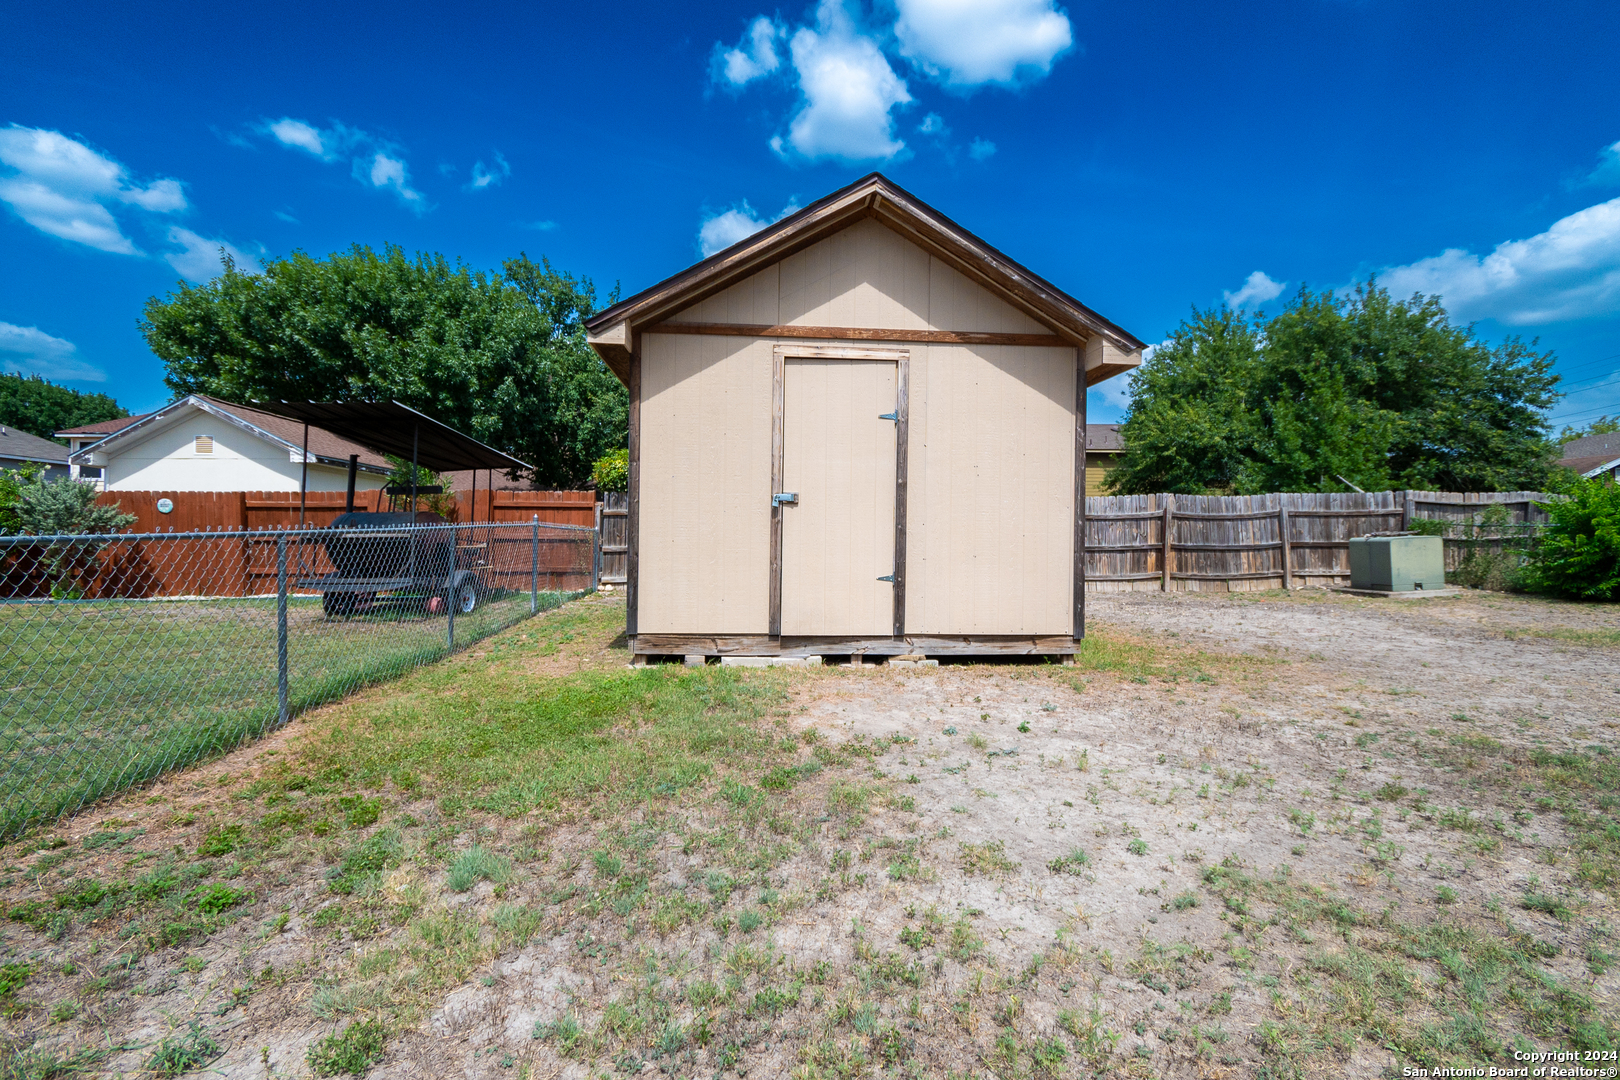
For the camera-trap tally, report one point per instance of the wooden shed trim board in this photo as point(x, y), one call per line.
point(611, 332)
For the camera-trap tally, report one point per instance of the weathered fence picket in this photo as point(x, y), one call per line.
point(1248, 542)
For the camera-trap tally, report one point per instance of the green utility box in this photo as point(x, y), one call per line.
point(1397, 563)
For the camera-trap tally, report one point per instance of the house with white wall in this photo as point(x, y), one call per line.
point(201, 443)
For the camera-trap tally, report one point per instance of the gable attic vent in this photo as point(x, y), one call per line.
point(205, 444)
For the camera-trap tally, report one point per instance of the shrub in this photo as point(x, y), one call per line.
point(612, 471)
point(1578, 554)
point(53, 507)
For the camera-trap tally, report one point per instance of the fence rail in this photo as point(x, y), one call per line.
point(124, 656)
point(1247, 542)
point(188, 510)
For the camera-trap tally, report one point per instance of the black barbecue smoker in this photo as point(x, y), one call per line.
point(402, 555)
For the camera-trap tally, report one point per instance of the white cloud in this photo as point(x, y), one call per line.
point(720, 231)
point(980, 149)
point(28, 350)
point(198, 258)
point(483, 176)
point(755, 56)
point(1607, 172)
point(62, 187)
point(303, 136)
point(848, 90)
point(1115, 392)
point(1570, 271)
point(376, 162)
point(967, 43)
point(1257, 289)
point(384, 171)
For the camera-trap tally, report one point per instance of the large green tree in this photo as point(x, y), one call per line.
point(29, 403)
point(501, 356)
point(1360, 389)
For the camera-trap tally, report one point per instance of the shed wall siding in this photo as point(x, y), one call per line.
point(866, 276)
point(990, 513)
point(705, 485)
point(991, 498)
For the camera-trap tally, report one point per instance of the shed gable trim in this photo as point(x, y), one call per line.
point(874, 196)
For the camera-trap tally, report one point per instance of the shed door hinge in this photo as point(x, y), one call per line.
point(889, 416)
point(887, 577)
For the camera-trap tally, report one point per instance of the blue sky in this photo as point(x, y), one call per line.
point(1145, 157)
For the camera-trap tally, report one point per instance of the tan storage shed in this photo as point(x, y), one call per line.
point(859, 431)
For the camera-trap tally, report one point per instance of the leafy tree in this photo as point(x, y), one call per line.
point(499, 356)
point(1187, 429)
point(1359, 389)
point(29, 403)
point(612, 472)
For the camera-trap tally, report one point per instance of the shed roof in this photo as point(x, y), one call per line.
point(873, 196)
point(21, 446)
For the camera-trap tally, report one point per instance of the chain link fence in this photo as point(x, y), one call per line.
point(124, 656)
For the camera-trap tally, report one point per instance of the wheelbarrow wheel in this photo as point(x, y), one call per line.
point(338, 605)
point(467, 597)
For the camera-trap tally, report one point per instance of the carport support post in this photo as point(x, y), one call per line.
point(281, 630)
point(452, 594)
point(534, 567)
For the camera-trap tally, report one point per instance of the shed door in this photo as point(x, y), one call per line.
point(839, 457)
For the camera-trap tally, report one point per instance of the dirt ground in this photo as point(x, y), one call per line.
point(1250, 834)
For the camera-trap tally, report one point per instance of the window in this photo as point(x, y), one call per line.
point(89, 472)
point(205, 444)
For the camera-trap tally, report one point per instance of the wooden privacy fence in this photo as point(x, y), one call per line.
point(1239, 543)
point(246, 565)
point(615, 532)
point(199, 510)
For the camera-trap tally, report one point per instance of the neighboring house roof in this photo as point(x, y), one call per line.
point(20, 446)
point(1592, 464)
point(1606, 445)
point(101, 427)
point(1104, 438)
point(324, 447)
point(871, 196)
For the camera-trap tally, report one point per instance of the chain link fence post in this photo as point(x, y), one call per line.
point(283, 713)
point(452, 598)
point(534, 569)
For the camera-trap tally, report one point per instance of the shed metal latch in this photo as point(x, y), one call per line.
point(887, 577)
point(785, 498)
point(889, 416)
